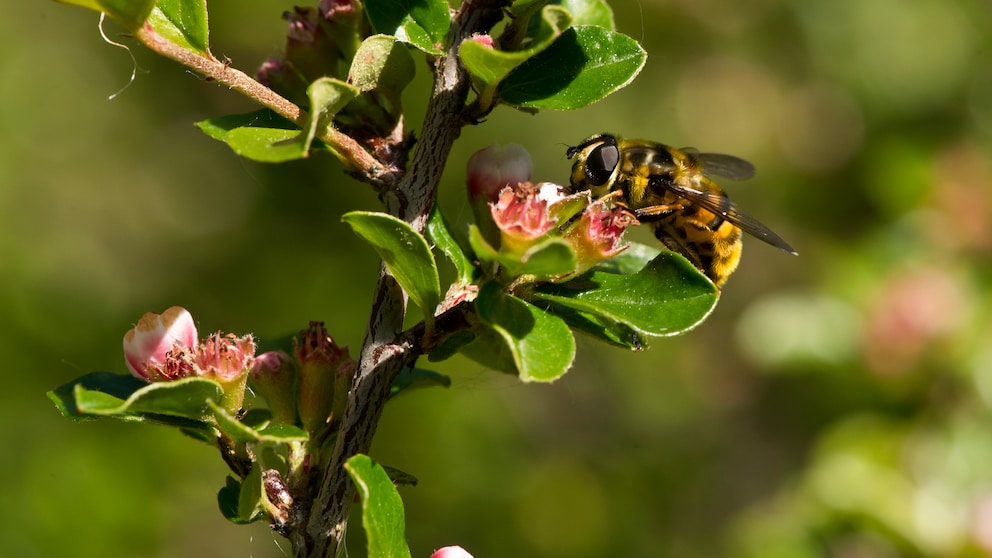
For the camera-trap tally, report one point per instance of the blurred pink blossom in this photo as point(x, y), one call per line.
point(451, 552)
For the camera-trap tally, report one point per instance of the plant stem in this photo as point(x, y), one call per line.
point(349, 151)
point(383, 354)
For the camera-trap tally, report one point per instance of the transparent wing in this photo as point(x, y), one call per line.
point(721, 205)
point(718, 164)
point(725, 166)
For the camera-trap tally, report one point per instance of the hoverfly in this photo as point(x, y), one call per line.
point(670, 189)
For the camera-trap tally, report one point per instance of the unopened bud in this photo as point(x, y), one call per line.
point(322, 362)
point(274, 378)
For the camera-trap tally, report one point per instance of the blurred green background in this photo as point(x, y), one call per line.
point(835, 404)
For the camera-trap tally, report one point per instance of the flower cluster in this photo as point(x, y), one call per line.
point(165, 347)
point(518, 214)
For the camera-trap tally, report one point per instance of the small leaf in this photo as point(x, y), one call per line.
point(117, 386)
point(415, 378)
point(490, 349)
point(102, 394)
point(283, 433)
point(489, 66)
point(552, 257)
point(590, 12)
point(585, 64)
point(405, 253)
point(381, 63)
point(631, 260)
point(400, 478)
point(668, 297)
point(250, 499)
point(440, 235)
point(129, 13)
point(548, 258)
point(227, 500)
point(229, 425)
point(382, 508)
point(327, 97)
point(541, 344)
point(239, 431)
point(183, 22)
point(260, 136)
point(602, 328)
point(451, 345)
point(422, 23)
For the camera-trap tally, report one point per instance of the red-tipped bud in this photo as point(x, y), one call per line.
point(324, 375)
point(275, 380)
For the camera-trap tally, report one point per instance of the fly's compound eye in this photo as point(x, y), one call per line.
point(601, 163)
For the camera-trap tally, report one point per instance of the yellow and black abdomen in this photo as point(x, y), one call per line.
point(716, 251)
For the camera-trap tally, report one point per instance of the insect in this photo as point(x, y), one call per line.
point(670, 189)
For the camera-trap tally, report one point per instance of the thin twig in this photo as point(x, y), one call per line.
point(351, 153)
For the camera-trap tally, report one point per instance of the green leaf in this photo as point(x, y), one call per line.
point(451, 345)
point(590, 12)
point(439, 233)
point(116, 386)
point(400, 478)
point(668, 297)
point(327, 97)
point(405, 252)
point(260, 136)
point(488, 348)
point(382, 508)
point(551, 257)
point(282, 433)
point(489, 66)
point(101, 394)
point(227, 500)
point(415, 378)
point(631, 260)
point(602, 328)
point(585, 64)
point(239, 431)
point(541, 344)
point(129, 13)
point(422, 23)
point(183, 22)
point(250, 499)
point(381, 63)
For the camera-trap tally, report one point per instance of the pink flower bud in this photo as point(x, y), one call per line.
point(494, 168)
point(157, 337)
point(451, 552)
point(482, 39)
point(329, 9)
point(302, 26)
